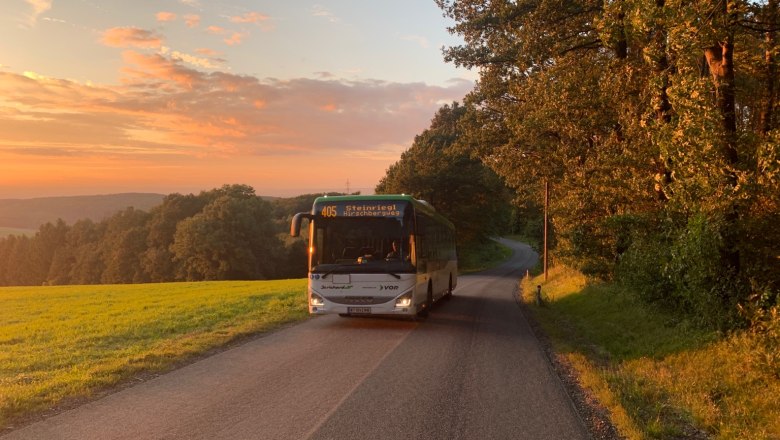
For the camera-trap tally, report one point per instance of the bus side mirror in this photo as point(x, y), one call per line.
point(295, 226)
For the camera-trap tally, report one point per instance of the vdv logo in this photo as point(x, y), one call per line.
point(381, 287)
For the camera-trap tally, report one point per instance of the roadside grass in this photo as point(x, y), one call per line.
point(482, 256)
point(5, 232)
point(659, 376)
point(69, 342)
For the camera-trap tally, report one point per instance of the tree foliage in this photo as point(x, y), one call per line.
point(458, 185)
point(232, 238)
point(655, 124)
point(225, 233)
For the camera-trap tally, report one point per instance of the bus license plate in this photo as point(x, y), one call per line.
point(359, 310)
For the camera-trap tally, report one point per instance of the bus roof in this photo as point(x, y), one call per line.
point(419, 205)
point(361, 198)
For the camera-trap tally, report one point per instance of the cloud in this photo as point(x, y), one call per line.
point(39, 7)
point(163, 16)
point(321, 11)
point(421, 41)
point(207, 52)
point(249, 17)
point(131, 37)
point(144, 68)
point(205, 63)
point(234, 40)
point(167, 126)
point(162, 107)
point(192, 20)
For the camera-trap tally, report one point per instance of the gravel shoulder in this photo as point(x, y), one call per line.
point(593, 414)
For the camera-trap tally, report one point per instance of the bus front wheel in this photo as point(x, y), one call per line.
point(428, 304)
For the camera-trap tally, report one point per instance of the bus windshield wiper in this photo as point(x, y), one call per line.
point(343, 265)
point(339, 266)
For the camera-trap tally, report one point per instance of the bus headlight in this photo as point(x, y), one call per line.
point(316, 300)
point(404, 300)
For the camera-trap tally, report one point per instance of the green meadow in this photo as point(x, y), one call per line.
point(64, 343)
point(658, 375)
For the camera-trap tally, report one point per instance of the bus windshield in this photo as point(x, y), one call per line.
point(367, 243)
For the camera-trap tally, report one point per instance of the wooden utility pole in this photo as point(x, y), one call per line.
point(546, 204)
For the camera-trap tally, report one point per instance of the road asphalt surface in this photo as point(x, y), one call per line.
point(472, 370)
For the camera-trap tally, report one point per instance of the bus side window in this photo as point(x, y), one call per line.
point(422, 237)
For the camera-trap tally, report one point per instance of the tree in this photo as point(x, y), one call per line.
point(158, 258)
point(84, 239)
point(49, 239)
point(650, 122)
point(123, 246)
point(556, 102)
point(232, 238)
point(458, 185)
point(224, 233)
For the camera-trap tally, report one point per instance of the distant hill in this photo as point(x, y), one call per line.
point(5, 232)
point(31, 213)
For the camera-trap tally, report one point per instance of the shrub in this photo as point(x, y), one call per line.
point(682, 268)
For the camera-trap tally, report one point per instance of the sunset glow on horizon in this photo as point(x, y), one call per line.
point(186, 95)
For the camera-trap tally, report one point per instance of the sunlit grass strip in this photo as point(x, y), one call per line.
point(657, 375)
point(69, 341)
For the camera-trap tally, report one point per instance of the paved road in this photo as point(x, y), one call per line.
point(472, 370)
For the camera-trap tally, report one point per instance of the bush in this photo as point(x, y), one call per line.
point(641, 267)
point(683, 268)
point(703, 283)
point(764, 345)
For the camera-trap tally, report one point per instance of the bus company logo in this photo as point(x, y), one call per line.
point(381, 287)
point(315, 276)
point(326, 287)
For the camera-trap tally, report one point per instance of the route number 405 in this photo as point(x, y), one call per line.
point(328, 211)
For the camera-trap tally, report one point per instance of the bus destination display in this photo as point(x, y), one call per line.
point(350, 209)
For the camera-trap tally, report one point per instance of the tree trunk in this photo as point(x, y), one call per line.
point(662, 107)
point(720, 60)
point(661, 67)
point(767, 112)
point(621, 46)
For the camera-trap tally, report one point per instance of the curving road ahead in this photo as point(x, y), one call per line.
point(472, 370)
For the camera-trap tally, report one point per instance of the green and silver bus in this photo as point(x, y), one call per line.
point(378, 255)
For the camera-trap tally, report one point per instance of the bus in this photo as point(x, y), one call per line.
point(377, 255)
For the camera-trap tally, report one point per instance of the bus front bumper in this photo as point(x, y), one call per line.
point(325, 306)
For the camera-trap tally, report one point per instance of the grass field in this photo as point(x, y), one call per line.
point(66, 342)
point(659, 376)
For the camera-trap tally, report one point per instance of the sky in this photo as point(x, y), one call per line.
point(290, 97)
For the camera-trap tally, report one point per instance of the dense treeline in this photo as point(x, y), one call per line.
point(655, 124)
point(225, 233)
point(458, 185)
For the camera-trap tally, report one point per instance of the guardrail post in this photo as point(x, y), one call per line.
point(539, 295)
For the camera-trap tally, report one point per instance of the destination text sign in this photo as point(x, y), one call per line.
point(367, 209)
